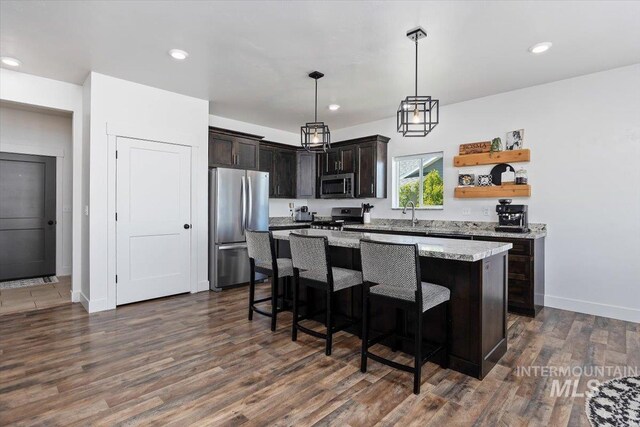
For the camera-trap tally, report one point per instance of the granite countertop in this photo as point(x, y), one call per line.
point(463, 228)
point(461, 231)
point(459, 250)
point(285, 221)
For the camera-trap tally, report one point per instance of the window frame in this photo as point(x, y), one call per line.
point(395, 179)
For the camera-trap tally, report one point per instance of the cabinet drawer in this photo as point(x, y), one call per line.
point(519, 293)
point(520, 246)
point(520, 267)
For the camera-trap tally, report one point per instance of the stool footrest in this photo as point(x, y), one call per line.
point(391, 363)
point(311, 332)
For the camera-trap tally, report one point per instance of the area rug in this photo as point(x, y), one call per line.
point(615, 403)
point(23, 283)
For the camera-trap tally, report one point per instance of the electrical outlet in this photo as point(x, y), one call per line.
point(466, 211)
point(485, 211)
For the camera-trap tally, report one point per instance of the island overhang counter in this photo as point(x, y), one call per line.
point(474, 271)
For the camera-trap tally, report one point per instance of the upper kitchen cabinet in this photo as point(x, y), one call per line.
point(306, 175)
point(233, 149)
point(280, 161)
point(371, 177)
point(339, 160)
point(365, 157)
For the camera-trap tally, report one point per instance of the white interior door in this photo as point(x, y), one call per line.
point(153, 204)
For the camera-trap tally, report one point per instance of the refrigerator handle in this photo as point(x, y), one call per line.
point(250, 194)
point(244, 205)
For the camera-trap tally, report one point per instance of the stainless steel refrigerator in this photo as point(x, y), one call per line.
point(238, 200)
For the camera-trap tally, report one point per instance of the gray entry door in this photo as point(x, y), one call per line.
point(27, 216)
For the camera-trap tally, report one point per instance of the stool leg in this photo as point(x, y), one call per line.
point(329, 324)
point(274, 301)
point(418, 355)
point(252, 290)
point(447, 336)
point(294, 324)
point(365, 331)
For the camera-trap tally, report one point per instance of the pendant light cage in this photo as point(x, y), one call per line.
point(417, 115)
point(315, 136)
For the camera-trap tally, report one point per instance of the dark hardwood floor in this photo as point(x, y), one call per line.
point(196, 359)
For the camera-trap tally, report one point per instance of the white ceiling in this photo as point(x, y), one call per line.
point(251, 59)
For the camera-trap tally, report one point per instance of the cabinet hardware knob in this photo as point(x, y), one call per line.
point(50, 222)
point(187, 226)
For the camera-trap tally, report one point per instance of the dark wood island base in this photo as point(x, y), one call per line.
point(478, 317)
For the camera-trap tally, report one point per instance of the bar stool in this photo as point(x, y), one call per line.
point(391, 272)
point(310, 257)
point(262, 259)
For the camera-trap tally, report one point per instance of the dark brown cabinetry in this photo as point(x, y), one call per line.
point(306, 175)
point(233, 149)
point(280, 161)
point(525, 266)
point(365, 157)
point(526, 274)
point(339, 160)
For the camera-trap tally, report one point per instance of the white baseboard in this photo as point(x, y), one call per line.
point(75, 296)
point(594, 308)
point(64, 271)
point(203, 285)
point(93, 306)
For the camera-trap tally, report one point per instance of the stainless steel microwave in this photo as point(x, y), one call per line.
point(339, 186)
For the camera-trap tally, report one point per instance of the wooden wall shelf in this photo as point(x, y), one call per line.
point(513, 156)
point(501, 191)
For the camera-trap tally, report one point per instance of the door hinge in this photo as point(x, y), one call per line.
point(116, 216)
point(116, 278)
point(116, 154)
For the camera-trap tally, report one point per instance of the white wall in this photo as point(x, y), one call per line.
point(584, 136)
point(43, 132)
point(124, 108)
point(46, 93)
point(277, 207)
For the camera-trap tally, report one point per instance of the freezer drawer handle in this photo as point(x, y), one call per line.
point(226, 247)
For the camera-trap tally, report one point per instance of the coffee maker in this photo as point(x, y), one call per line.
point(512, 218)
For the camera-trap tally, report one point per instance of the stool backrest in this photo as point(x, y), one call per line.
point(260, 246)
point(309, 253)
point(394, 266)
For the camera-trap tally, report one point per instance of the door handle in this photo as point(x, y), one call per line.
point(227, 247)
point(244, 205)
point(250, 194)
point(335, 165)
point(50, 222)
point(187, 226)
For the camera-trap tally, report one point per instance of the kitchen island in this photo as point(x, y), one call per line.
point(474, 271)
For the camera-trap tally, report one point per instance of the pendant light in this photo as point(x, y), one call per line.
point(315, 136)
point(417, 115)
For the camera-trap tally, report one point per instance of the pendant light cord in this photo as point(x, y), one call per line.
point(416, 66)
point(316, 115)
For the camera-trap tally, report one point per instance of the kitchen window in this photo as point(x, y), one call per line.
point(419, 178)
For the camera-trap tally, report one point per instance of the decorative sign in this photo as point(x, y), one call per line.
point(475, 147)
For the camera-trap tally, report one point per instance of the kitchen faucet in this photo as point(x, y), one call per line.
point(414, 220)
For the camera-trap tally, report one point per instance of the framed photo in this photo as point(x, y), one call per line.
point(515, 140)
point(466, 179)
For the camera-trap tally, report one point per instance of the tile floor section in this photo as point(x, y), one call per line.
point(36, 297)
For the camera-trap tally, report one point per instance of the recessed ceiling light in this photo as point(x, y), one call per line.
point(540, 47)
point(12, 62)
point(178, 54)
point(333, 107)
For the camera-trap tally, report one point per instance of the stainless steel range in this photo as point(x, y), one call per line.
point(339, 218)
